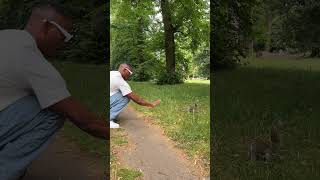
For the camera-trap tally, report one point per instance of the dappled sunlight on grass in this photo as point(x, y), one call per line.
point(198, 81)
point(289, 63)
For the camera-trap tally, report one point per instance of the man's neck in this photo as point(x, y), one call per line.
point(32, 33)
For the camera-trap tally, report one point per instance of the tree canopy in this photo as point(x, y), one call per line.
point(91, 26)
point(163, 40)
point(242, 27)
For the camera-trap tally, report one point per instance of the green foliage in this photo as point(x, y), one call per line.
point(290, 26)
point(91, 27)
point(169, 78)
point(91, 41)
point(137, 36)
point(259, 45)
point(231, 29)
point(129, 37)
point(301, 26)
point(202, 59)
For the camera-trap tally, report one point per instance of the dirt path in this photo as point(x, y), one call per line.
point(152, 152)
point(63, 160)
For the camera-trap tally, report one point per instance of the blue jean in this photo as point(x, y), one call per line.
point(117, 104)
point(25, 131)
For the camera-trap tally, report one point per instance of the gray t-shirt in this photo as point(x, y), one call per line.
point(25, 71)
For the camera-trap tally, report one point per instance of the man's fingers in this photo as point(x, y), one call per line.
point(157, 102)
point(154, 104)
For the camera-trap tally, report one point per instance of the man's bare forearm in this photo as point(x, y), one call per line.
point(96, 127)
point(79, 115)
point(139, 100)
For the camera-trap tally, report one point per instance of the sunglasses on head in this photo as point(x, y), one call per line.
point(129, 71)
point(67, 35)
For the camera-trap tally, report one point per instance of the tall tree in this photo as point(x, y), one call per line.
point(301, 25)
point(186, 29)
point(129, 36)
point(169, 37)
point(139, 35)
point(231, 26)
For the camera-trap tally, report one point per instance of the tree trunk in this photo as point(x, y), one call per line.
point(140, 41)
point(269, 30)
point(169, 37)
point(315, 52)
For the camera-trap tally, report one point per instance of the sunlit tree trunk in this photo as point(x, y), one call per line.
point(169, 37)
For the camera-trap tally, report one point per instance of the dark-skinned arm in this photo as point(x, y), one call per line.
point(139, 100)
point(79, 115)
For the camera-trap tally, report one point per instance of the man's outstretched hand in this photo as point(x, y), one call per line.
point(139, 100)
point(155, 103)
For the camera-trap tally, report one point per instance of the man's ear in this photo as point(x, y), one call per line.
point(44, 27)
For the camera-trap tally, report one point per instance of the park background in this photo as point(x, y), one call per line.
point(167, 44)
point(265, 59)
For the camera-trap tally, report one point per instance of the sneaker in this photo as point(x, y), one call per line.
point(114, 125)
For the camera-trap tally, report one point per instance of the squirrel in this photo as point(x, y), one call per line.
point(193, 108)
point(266, 151)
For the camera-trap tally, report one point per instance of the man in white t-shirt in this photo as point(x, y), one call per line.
point(34, 99)
point(121, 93)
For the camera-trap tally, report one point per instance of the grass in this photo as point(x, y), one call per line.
point(118, 140)
point(191, 131)
point(87, 84)
point(248, 99)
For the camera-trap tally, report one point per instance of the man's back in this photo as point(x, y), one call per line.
point(12, 45)
point(117, 83)
point(25, 71)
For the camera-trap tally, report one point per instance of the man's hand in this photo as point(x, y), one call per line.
point(137, 99)
point(79, 115)
point(155, 103)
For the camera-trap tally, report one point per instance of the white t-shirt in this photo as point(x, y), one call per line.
point(117, 83)
point(25, 71)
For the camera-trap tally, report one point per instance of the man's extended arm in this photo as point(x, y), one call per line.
point(82, 117)
point(139, 100)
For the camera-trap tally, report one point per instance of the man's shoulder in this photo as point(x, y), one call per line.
point(16, 38)
point(14, 34)
point(115, 74)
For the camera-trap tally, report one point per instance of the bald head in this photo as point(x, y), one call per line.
point(48, 11)
point(125, 70)
point(122, 66)
point(48, 37)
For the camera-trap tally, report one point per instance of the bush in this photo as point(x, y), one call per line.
point(169, 78)
point(259, 45)
point(141, 75)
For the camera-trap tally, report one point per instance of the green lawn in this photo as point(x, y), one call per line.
point(118, 140)
point(88, 84)
point(248, 99)
point(190, 130)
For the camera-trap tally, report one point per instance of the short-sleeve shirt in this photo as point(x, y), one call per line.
point(117, 83)
point(25, 71)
